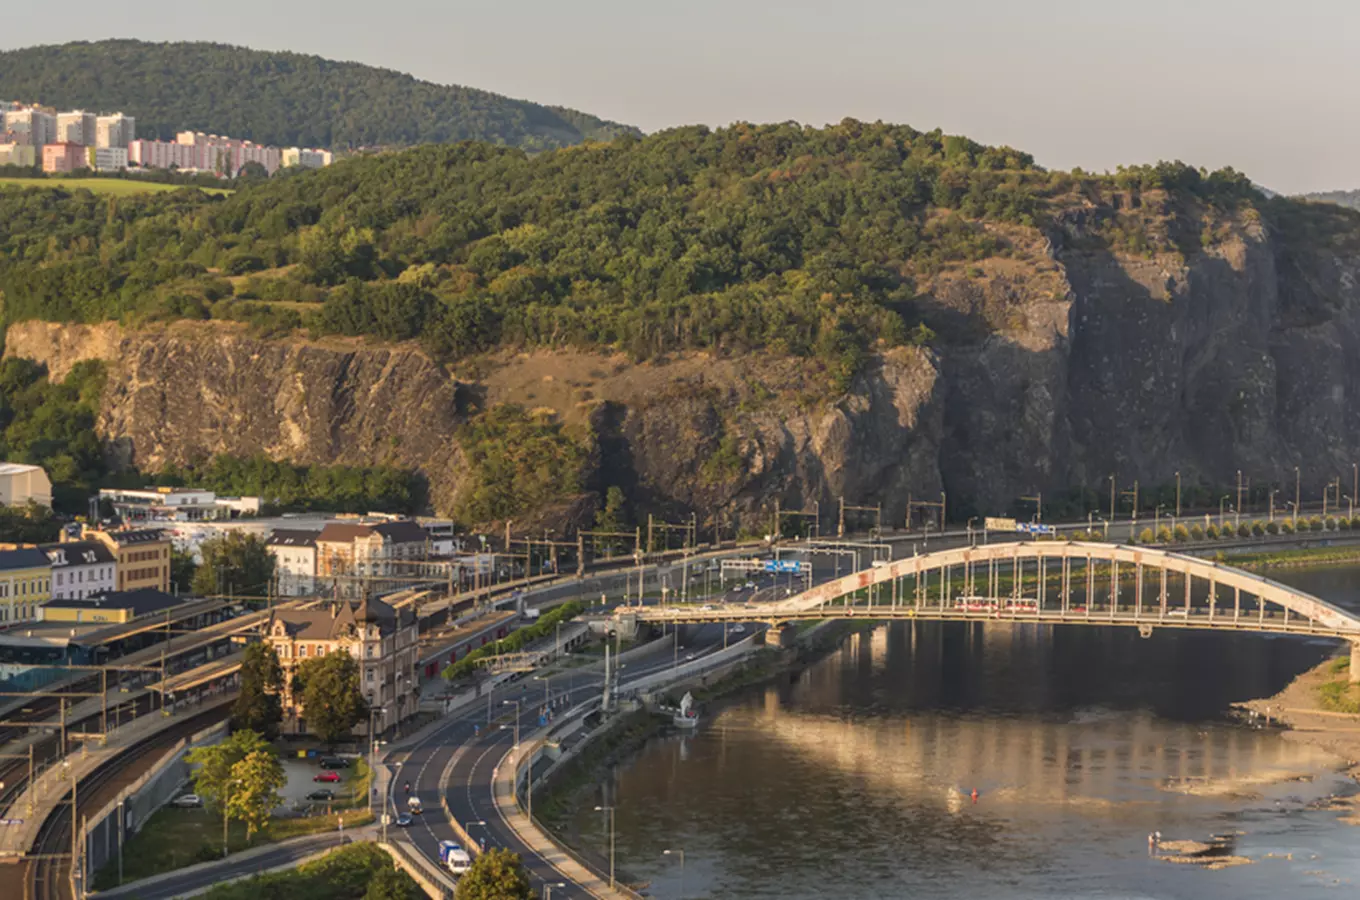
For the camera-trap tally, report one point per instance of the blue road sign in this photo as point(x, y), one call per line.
point(783, 565)
point(1034, 528)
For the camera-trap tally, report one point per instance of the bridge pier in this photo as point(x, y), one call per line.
point(1355, 662)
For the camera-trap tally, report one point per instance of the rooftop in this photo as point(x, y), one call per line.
point(23, 558)
point(141, 602)
point(10, 468)
point(76, 553)
point(283, 537)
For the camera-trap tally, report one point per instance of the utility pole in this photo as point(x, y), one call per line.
point(840, 525)
point(649, 533)
point(775, 532)
point(1178, 496)
point(1112, 489)
point(1237, 513)
point(1297, 496)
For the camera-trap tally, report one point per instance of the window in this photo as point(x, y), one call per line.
point(302, 649)
point(58, 579)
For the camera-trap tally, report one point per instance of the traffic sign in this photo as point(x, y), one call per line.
point(1035, 528)
point(11, 821)
point(999, 524)
point(783, 565)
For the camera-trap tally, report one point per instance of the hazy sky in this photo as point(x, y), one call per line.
point(1269, 87)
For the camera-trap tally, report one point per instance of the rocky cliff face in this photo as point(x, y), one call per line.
point(1073, 363)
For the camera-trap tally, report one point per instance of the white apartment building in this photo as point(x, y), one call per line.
point(294, 561)
point(80, 569)
point(18, 155)
point(76, 127)
point(108, 159)
point(116, 130)
point(39, 126)
point(301, 157)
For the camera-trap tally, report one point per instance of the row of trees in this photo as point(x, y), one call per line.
point(1165, 534)
point(328, 687)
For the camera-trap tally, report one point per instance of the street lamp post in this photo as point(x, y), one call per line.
point(1297, 497)
point(681, 854)
point(1221, 501)
point(610, 811)
point(516, 704)
point(1178, 498)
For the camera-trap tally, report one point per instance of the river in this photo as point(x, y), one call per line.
point(855, 780)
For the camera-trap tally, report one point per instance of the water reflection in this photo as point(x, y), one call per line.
point(855, 780)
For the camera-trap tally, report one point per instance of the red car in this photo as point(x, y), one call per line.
point(328, 777)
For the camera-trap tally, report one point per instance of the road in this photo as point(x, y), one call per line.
point(479, 749)
point(187, 881)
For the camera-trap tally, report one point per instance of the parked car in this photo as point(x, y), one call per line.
point(404, 820)
point(334, 762)
point(328, 776)
point(321, 795)
point(187, 801)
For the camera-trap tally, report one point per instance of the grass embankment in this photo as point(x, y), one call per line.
point(116, 187)
point(1296, 558)
point(173, 838)
point(356, 872)
point(1338, 694)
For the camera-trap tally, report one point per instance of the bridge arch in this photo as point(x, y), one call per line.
point(1058, 582)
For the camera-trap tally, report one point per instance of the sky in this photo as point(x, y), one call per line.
point(1268, 87)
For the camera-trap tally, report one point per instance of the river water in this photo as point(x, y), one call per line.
point(855, 780)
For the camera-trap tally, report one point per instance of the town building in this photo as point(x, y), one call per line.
point(80, 568)
point(162, 155)
point(116, 607)
point(355, 560)
point(25, 582)
point(304, 158)
point(107, 159)
point(13, 153)
point(116, 130)
point(383, 640)
point(76, 127)
point(64, 158)
point(39, 126)
point(175, 504)
point(141, 556)
point(22, 484)
point(294, 554)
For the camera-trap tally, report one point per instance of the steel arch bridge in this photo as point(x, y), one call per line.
point(1058, 582)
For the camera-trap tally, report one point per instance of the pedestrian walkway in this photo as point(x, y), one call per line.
point(536, 839)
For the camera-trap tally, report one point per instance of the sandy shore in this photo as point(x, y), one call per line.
point(1297, 708)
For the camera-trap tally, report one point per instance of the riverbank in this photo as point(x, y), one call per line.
point(1296, 558)
point(569, 789)
point(1319, 708)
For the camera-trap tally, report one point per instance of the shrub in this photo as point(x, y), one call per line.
point(1272, 528)
point(1258, 528)
point(1331, 523)
point(1196, 532)
point(1315, 523)
point(1164, 534)
point(1182, 534)
point(1244, 529)
point(1286, 527)
point(1145, 536)
point(1211, 532)
point(1343, 524)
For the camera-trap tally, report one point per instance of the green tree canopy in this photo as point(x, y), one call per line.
point(258, 706)
point(214, 763)
point(496, 874)
point(239, 564)
point(331, 698)
point(254, 788)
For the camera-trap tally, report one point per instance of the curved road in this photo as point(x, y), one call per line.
point(479, 750)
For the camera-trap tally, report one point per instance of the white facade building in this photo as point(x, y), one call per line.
point(294, 561)
point(80, 568)
point(108, 159)
point(76, 127)
point(116, 130)
point(39, 126)
point(303, 158)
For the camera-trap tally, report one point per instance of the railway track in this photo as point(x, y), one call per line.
point(47, 876)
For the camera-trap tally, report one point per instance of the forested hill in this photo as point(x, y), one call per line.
point(284, 99)
point(815, 242)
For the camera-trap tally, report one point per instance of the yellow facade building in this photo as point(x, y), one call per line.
point(25, 582)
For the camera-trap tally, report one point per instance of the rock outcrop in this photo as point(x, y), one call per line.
point(1069, 363)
